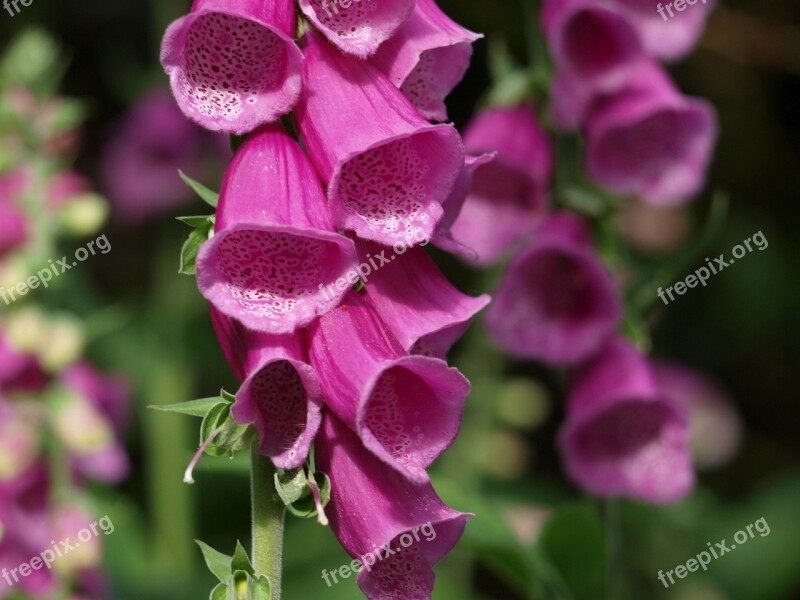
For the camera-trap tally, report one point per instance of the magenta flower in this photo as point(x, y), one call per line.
point(109, 393)
point(387, 169)
point(233, 64)
point(593, 41)
point(406, 409)
point(427, 58)
point(13, 222)
point(274, 244)
point(557, 302)
point(509, 194)
point(651, 141)
point(413, 298)
point(149, 145)
point(357, 26)
point(280, 394)
point(396, 529)
point(716, 427)
point(19, 370)
point(623, 436)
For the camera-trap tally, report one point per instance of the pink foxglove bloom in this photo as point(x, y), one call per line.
point(274, 242)
point(417, 302)
point(233, 64)
point(716, 426)
point(397, 529)
point(357, 27)
point(593, 41)
point(665, 32)
point(280, 394)
point(406, 409)
point(624, 436)
point(19, 370)
point(427, 58)
point(148, 147)
point(509, 194)
point(387, 169)
point(651, 141)
point(13, 222)
point(443, 238)
point(557, 302)
point(109, 393)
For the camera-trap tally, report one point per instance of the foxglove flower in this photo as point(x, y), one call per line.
point(397, 529)
point(110, 394)
point(233, 64)
point(149, 145)
point(509, 194)
point(592, 41)
point(387, 169)
point(280, 394)
point(651, 141)
point(357, 27)
point(557, 302)
point(19, 440)
point(427, 58)
point(716, 427)
point(624, 436)
point(417, 303)
point(406, 409)
point(13, 222)
point(19, 370)
point(274, 243)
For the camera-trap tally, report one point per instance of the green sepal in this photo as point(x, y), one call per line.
point(194, 408)
point(233, 438)
point(238, 579)
point(217, 562)
point(202, 229)
point(208, 196)
point(220, 592)
point(292, 487)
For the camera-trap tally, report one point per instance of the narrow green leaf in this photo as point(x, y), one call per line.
point(194, 408)
point(218, 563)
point(209, 197)
point(190, 250)
point(240, 560)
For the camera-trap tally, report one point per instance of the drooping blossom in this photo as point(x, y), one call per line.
point(557, 302)
point(509, 193)
point(280, 394)
point(623, 435)
point(417, 302)
point(274, 243)
point(396, 528)
point(716, 427)
point(427, 58)
point(233, 64)
point(651, 141)
point(357, 27)
point(387, 169)
point(147, 148)
point(405, 409)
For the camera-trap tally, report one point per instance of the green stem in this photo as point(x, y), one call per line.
point(268, 518)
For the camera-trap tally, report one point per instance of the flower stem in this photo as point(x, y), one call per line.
point(268, 518)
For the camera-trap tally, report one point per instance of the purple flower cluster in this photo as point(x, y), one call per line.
point(361, 371)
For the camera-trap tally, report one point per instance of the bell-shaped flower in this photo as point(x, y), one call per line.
point(110, 393)
point(424, 311)
point(650, 140)
point(427, 58)
point(623, 436)
point(274, 243)
point(396, 529)
point(357, 27)
point(716, 426)
point(387, 169)
point(233, 64)
point(557, 303)
point(280, 394)
point(509, 193)
point(406, 409)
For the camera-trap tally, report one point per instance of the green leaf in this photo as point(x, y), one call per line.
point(209, 197)
point(291, 485)
point(203, 227)
point(194, 408)
point(220, 592)
point(305, 507)
point(198, 222)
point(215, 419)
point(240, 560)
point(218, 563)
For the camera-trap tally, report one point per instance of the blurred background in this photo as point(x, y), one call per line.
point(535, 535)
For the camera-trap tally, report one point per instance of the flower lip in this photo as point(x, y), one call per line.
point(268, 276)
point(218, 83)
point(411, 412)
point(404, 203)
